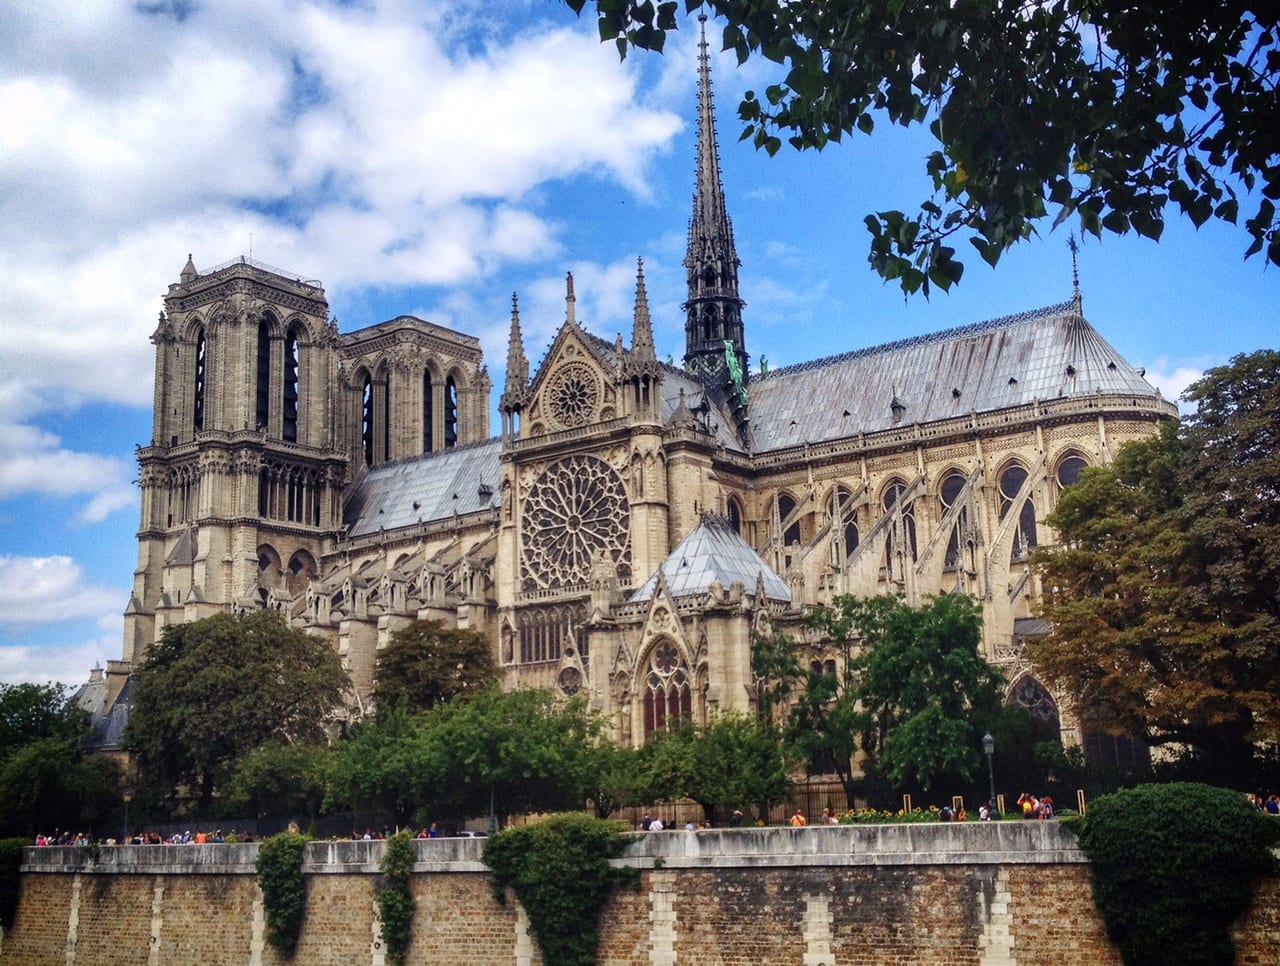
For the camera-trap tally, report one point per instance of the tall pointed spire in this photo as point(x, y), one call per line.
point(517, 362)
point(516, 386)
point(570, 300)
point(713, 313)
point(642, 327)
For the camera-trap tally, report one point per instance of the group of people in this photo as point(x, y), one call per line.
point(198, 837)
point(1037, 808)
point(1270, 804)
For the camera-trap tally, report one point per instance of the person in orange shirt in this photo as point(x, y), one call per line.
point(798, 820)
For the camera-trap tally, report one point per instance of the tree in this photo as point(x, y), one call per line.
point(379, 766)
point(427, 665)
point(924, 690)
point(732, 760)
point(211, 690)
point(46, 780)
point(516, 751)
point(31, 712)
point(1093, 109)
point(279, 779)
point(1162, 593)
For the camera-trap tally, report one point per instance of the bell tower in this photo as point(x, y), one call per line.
point(242, 480)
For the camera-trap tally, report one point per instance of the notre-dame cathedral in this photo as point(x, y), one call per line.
point(634, 521)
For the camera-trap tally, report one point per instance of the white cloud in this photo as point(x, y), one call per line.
point(56, 663)
point(1172, 379)
point(381, 144)
point(46, 590)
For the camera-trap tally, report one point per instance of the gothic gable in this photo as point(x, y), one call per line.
point(574, 386)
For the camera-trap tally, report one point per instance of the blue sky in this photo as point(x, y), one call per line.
point(431, 158)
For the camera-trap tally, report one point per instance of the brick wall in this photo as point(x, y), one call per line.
point(1008, 894)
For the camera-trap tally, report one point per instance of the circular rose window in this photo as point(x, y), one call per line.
point(576, 511)
point(573, 395)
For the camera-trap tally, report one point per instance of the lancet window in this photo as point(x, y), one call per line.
point(262, 405)
point(1011, 483)
point(668, 696)
point(450, 413)
point(428, 411)
point(292, 384)
point(198, 410)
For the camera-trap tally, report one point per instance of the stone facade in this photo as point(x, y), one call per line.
point(1003, 894)
point(635, 521)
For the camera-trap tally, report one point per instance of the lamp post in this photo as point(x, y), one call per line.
point(127, 795)
point(989, 749)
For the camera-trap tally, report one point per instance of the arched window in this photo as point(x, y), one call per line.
point(787, 506)
point(949, 492)
point(450, 413)
point(844, 524)
point(366, 420)
point(292, 384)
point(198, 417)
point(893, 496)
point(262, 409)
point(428, 411)
point(1069, 468)
point(735, 516)
point(1011, 483)
point(668, 698)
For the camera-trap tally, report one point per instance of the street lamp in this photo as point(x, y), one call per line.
point(127, 795)
point(989, 749)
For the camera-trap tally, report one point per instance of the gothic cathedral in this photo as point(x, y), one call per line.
point(634, 521)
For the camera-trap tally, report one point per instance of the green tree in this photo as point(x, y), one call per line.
point(1101, 111)
point(1162, 593)
point(519, 751)
point(736, 761)
point(427, 664)
point(31, 712)
point(614, 777)
point(925, 691)
point(280, 779)
point(211, 690)
point(46, 779)
point(378, 766)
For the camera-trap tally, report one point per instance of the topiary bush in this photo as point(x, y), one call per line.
point(559, 869)
point(1173, 866)
point(10, 862)
point(395, 900)
point(284, 891)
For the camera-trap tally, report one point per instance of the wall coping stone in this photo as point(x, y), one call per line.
point(956, 843)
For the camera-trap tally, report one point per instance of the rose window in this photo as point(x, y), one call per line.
point(570, 681)
point(576, 511)
point(573, 395)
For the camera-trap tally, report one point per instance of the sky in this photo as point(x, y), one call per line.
point(431, 158)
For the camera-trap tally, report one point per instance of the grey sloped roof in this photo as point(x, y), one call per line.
point(427, 488)
point(106, 731)
point(713, 551)
point(1048, 353)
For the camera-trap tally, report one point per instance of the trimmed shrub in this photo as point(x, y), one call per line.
point(559, 870)
point(1173, 866)
point(284, 891)
point(395, 901)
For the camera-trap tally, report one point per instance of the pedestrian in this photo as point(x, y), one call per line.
point(798, 820)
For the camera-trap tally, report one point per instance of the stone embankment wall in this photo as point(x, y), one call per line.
point(982, 894)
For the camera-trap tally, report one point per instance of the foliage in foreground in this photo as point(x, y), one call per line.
point(1173, 866)
point(1104, 113)
point(284, 890)
point(395, 900)
point(10, 879)
point(559, 869)
point(1162, 597)
point(212, 689)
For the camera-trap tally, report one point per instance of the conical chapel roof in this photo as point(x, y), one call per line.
point(713, 552)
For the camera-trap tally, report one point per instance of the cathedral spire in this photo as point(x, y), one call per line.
point(642, 328)
point(517, 383)
point(517, 362)
point(713, 312)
